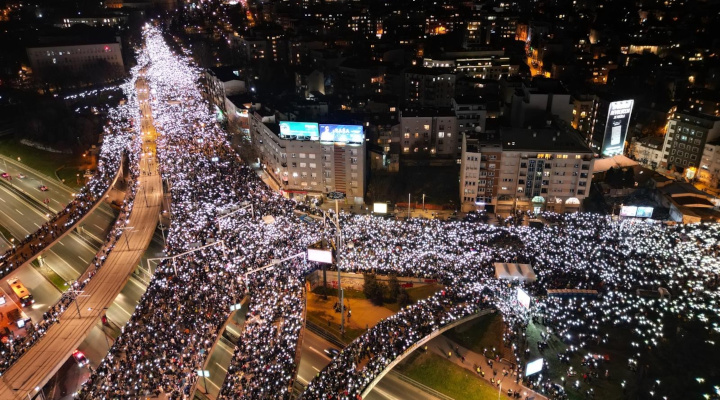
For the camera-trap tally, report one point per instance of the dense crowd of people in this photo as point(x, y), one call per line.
point(168, 338)
point(374, 350)
point(178, 319)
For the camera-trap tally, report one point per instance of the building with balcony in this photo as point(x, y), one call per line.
point(687, 133)
point(309, 167)
point(548, 168)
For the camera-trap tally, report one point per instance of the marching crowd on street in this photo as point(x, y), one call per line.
point(220, 236)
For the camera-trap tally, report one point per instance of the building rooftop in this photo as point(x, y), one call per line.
point(550, 139)
point(429, 71)
point(427, 113)
point(226, 74)
point(469, 99)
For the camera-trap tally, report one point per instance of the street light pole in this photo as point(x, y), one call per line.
point(408, 205)
point(338, 246)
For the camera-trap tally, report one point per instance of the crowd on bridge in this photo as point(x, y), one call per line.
point(118, 143)
point(117, 138)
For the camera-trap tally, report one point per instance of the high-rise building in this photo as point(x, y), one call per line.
point(687, 133)
point(546, 168)
point(307, 159)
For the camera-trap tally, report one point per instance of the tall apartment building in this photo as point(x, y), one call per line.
point(709, 171)
point(478, 173)
point(687, 133)
point(538, 169)
point(313, 165)
point(429, 132)
point(74, 58)
point(429, 87)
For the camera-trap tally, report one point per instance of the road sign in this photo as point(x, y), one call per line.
point(336, 195)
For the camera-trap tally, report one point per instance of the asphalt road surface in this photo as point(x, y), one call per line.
point(96, 344)
point(70, 256)
point(44, 359)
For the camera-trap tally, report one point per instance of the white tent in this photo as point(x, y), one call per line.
point(523, 272)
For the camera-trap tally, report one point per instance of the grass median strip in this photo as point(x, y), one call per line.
point(51, 276)
point(447, 378)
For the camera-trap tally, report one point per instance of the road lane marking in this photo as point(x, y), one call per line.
point(3, 200)
point(19, 212)
point(83, 260)
point(63, 260)
point(99, 227)
point(319, 352)
point(15, 222)
point(384, 393)
point(221, 367)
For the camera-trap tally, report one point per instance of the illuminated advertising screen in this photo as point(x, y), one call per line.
point(616, 127)
point(320, 255)
point(380, 208)
point(533, 367)
point(341, 133)
point(523, 298)
point(628, 211)
point(299, 130)
point(644, 212)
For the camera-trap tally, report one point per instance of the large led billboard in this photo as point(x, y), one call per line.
point(341, 133)
point(616, 127)
point(299, 130)
point(628, 211)
point(644, 212)
point(380, 208)
point(320, 255)
point(533, 367)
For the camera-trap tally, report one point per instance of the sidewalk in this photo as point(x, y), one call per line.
point(444, 346)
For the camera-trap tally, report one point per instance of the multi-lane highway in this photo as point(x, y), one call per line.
point(95, 346)
point(31, 371)
point(22, 213)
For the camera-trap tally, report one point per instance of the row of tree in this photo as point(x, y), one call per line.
point(380, 293)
